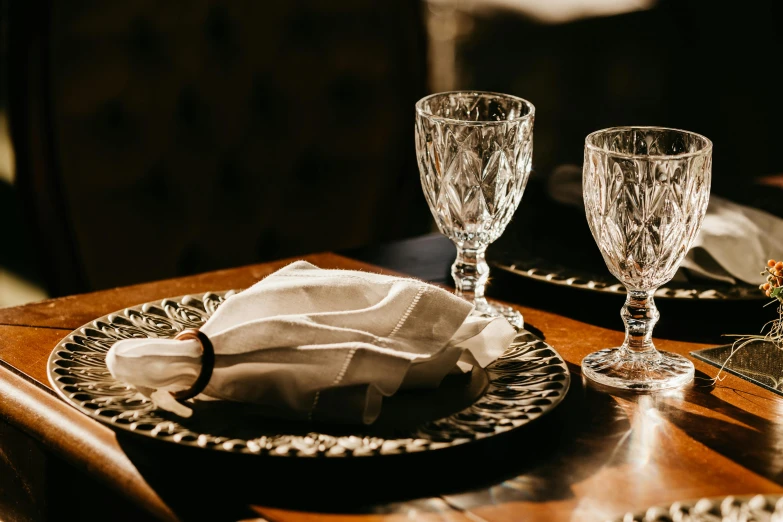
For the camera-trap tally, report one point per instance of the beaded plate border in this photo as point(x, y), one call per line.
point(745, 508)
point(576, 279)
point(529, 380)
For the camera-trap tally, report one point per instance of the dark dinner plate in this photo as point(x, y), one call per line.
point(528, 381)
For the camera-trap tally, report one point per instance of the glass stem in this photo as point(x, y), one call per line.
point(470, 272)
point(639, 315)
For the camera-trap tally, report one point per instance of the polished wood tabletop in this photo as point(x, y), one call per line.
point(595, 457)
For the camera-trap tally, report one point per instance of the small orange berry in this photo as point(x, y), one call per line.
point(766, 286)
point(771, 262)
point(768, 293)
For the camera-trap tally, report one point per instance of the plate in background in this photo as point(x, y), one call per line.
point(552, 243)
point(549, 272)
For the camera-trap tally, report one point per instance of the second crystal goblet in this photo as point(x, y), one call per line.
point(645, 191)
point(474, 152)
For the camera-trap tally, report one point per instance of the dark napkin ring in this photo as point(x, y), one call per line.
point(207, 363)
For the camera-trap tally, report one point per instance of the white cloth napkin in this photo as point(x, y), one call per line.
point(319, 344)
point(734, 241)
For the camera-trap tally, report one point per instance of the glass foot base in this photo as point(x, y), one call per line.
point(496, 310)
point(618, 368)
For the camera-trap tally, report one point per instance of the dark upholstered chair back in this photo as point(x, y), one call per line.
point(157, 139)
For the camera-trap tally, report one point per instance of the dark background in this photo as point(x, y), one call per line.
point(159, 139)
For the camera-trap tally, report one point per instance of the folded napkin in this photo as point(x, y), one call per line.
point(733, 243)
point(310, 343)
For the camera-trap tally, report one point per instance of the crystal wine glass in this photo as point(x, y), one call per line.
point(474, 152)
point(645, 191)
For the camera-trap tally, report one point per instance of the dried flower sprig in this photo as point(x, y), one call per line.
point(774, 285)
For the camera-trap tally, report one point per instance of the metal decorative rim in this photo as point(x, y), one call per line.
point(745, 508)
point(529, 380)
point(541, 271)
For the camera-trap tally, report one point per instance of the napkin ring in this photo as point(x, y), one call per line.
point(207, 363)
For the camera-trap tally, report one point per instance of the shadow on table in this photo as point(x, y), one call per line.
point(541, 462)
point(552, 453)
point(590, 431)
point(639, 431)
point(588, 435)
point(739, 435)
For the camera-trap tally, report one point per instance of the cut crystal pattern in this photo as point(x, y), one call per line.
point(474, 172)
point(644, 211)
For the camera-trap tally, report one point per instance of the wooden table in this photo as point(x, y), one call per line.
point(596, 456)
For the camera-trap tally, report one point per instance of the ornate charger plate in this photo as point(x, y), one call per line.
point(529, 380)
point(566, 276)
point(766, 508)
